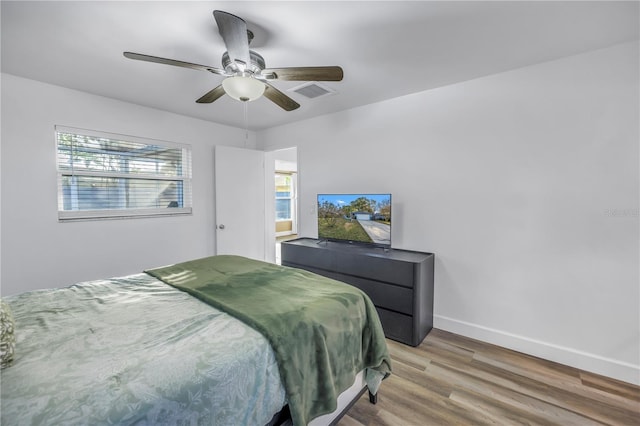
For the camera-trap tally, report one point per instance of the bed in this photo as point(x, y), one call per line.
point(223, 340)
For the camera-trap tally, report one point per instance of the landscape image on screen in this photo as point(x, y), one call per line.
point(364, 218)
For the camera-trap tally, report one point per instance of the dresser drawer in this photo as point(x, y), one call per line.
point(307, 256)
point(322, 272)
point(387, 296)
point(396, 326)
point(375, 268)
point(350, 261)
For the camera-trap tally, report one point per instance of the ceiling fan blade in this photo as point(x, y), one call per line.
point(279, 98)
point(234, 33)
point(158, 60)
point(304, 73)
point(211, 95)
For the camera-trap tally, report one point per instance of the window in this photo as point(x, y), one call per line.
point(102, 175)
point(284, 196)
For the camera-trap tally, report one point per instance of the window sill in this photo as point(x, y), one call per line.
point(73, 216)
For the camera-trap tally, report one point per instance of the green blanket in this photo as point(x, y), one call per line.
point(323, 331)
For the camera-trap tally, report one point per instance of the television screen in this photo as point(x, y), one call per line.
point(358, 218)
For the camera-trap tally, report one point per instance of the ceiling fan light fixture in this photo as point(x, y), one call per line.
point(247, 78)
point(243, 88)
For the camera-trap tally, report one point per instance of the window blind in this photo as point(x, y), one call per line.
point(104, 175)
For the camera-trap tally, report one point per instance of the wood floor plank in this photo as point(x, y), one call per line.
point(590, 392)
point(350, 421)
point(407, 355)
point(556, 396)
point(509, 356)
point(387, 418)
point(611, 386)
point(441, 387)
point(363, 411)
point(453, 380)
point(501, 413)
point(420, 405)
point(508, 396)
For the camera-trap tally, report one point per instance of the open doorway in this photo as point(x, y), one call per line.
point(286, 215)
point(286, 197)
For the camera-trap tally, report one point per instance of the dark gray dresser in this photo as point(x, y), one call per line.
point(399, 282)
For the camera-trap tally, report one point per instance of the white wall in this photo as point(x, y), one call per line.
point(524, 184)
point(40, 252)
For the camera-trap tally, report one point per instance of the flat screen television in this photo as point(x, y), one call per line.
point(356, 218)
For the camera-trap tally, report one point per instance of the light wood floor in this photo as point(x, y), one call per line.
point(454, 380)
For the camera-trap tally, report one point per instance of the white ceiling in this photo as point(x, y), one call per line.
point(387, 49)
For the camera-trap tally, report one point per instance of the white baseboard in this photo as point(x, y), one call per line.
point(568, 356)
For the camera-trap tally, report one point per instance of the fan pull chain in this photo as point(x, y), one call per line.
point(246, 123)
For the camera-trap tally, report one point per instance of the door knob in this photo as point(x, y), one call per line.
point(220, 226)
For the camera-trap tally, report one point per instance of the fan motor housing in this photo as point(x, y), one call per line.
point(255, 67)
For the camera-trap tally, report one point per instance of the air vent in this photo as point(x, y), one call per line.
point(313, 90)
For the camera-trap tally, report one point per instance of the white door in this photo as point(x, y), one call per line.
point(240, 202)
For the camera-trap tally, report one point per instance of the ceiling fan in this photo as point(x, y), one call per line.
point(247, 77)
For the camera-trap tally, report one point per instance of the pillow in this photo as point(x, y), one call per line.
point(7, 339)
